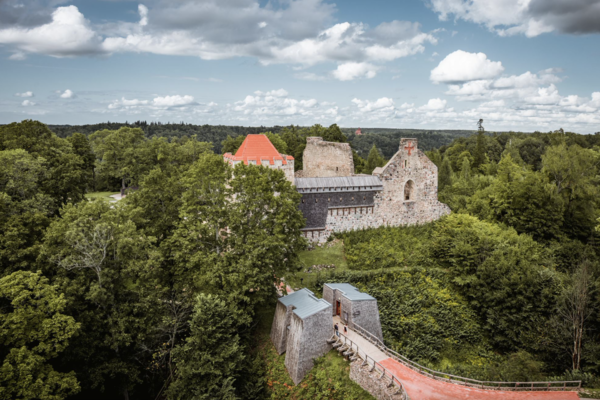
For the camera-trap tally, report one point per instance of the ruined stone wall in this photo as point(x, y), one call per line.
point(366, 314)
point(391, 207)
point(307, 340)
point(370, 381)
point(325, 159)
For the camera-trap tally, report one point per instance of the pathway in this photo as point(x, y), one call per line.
point(421, 387)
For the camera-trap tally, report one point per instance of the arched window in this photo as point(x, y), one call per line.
point(409, 191)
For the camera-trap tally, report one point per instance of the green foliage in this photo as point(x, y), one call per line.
point(445, 174)
point(374, 160)
point(211, 357)
point(109, 272)
point(231, 144)
point(33, 330)
point(480, 150)
point(65, 179)
point(505, 276)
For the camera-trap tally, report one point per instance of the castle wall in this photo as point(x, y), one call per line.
point(390, 207)
point(307, 340)
point(325, 159)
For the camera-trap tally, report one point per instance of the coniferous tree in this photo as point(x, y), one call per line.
point(480, 150)
point(445, 174)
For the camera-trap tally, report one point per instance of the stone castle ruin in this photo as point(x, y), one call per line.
point(303, 323)
point(334, 199)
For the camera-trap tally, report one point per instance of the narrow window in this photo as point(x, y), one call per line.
point(316, 200)
point(303, 200)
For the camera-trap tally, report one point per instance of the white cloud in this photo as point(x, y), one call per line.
point(68, 34)
point(352, 70)
point(462, 66)
point(528, 17)
point(143, 11)
point(434, 104)
point(67, 94)
point(293, 32)
point(172, 101)
point(24, 94)
point(384, 103)
point(27, 103)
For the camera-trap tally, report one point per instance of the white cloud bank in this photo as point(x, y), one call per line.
point(24, 94)
point(528, 17)
point(298, 33)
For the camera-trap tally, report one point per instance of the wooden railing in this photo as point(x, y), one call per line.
point(445, 377)
point(375, 366)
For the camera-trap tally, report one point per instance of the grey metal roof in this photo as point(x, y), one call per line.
point(339, 183)
point(350, 292)
point(305, 303)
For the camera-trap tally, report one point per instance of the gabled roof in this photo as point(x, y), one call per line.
point(350, 292)
point(258, 148)
point(305, 303)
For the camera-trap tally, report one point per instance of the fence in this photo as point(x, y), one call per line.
point(445, 377)
point(375, 366)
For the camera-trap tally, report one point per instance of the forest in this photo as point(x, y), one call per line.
point(167, 293)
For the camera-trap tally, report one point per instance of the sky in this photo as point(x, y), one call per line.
point(522, 65)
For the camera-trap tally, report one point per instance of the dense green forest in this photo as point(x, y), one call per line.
point(386, 140)
point(163, 294)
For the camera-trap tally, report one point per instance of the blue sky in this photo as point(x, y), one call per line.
point(429, 64)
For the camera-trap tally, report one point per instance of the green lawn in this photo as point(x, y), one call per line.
point(325, 254)
point(105, 196)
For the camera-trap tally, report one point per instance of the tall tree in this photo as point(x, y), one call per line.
point(374, 160)
point(445, 174)
point(480, 150)
point(33, 330)
point(82, 147)
point(121, 154)
point(211, 358)
point(111, 276)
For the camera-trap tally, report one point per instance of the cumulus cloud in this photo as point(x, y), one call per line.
point(352, 70)
point(529, 17)
point(462, 66)
point(24, 94)
point(143, 11)
point(67, 34)
point(67, 94)
point(434, 104)
point(293, 32)
point(27, 103)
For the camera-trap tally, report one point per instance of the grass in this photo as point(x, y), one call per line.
point(104, 196)
point(590, 394)
point(329, 378)
point(325, 254)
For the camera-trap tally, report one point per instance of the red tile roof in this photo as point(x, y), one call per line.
point(258, 148)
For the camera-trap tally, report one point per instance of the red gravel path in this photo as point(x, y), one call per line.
point(420, 387)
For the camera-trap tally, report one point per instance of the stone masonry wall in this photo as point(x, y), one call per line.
point(366, 314)
point(391, 207)
point(371, 383)
point(307, 340)
point(325, 159)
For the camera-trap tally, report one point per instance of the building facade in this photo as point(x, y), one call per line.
point(403, 192)
point(301, 327)
point(354, 307)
